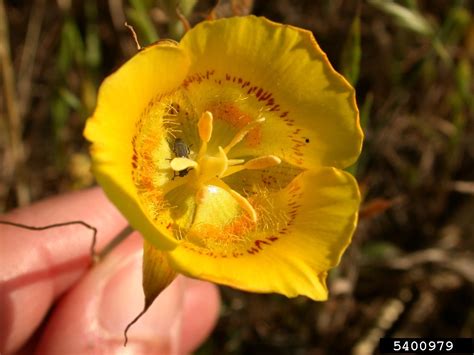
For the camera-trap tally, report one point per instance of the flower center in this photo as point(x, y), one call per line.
point(210, 169)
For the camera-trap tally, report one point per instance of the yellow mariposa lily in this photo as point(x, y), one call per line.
point(225, 151)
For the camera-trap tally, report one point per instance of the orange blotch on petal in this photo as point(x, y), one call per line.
point(233, 115)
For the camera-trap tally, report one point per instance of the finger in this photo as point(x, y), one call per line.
point(201, 312)
point(93, 316)
point(38, 266)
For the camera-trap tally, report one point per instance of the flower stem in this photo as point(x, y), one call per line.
point(121, 236)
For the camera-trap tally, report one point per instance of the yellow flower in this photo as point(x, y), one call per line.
point(225, 151)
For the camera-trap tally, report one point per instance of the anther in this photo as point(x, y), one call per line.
point(178, 164)
point(264, 162)
point(242, 133)
point(205, 126)
point(244, 204)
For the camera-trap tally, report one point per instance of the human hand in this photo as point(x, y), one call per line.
point(52, 302)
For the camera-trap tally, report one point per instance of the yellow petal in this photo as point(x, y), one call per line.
point(325, 205)
point(157, 275)
point(319, 210)
point(263, 69)
point(216, 207)
point(123, 99)
point(250, 181)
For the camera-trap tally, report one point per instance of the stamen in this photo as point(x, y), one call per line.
point(267, 161)
point(232, 170)
point(211, 167)
point(181, 163)
point(235, 161)
point(245, 204)
point(264, 162)
point(201, 195)
point(205, 126)
point(242, 133)
point(209, 170)
point(225, 164)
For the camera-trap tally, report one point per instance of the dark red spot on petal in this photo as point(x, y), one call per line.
point(252, 251)
point(265, 96)
point(258, 243)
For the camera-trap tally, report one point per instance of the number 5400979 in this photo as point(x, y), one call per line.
point(422, 345)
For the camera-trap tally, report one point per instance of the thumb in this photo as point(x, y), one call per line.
point(93, 316)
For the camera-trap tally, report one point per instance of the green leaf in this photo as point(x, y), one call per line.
point(93, 55)
point(351, 53)
point(407, 18)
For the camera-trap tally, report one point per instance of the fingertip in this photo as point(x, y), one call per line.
point(38, 266)
point(93, 316)
point(90, 317)
point(201, 313)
